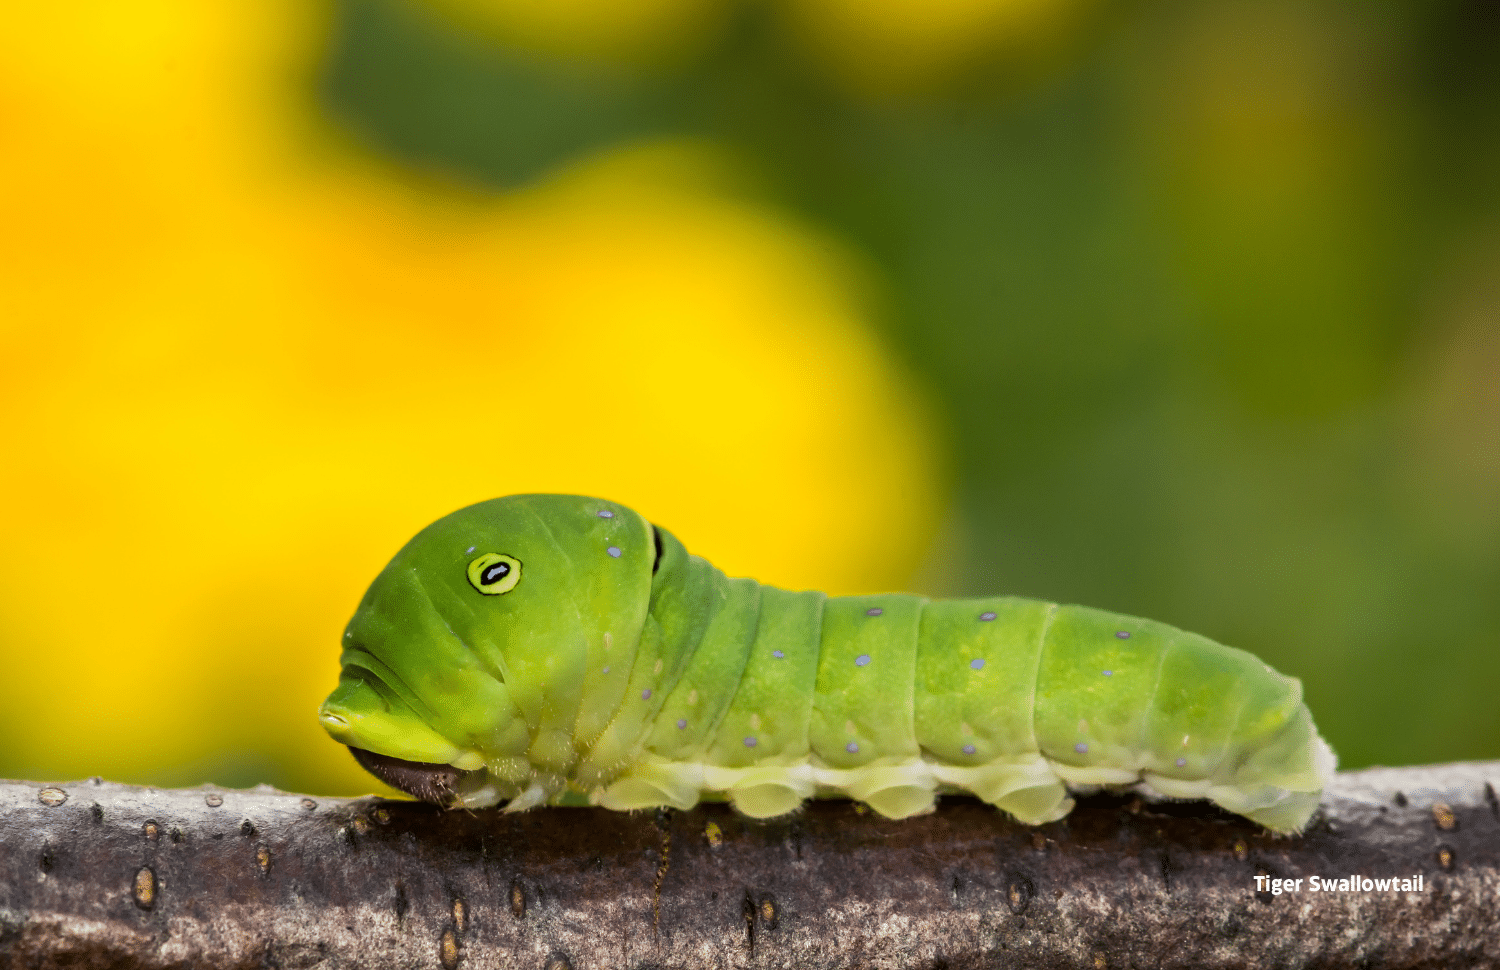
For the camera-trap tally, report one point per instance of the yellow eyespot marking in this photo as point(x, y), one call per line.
point(493, 573)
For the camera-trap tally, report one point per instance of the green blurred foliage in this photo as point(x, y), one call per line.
point(1207, 293)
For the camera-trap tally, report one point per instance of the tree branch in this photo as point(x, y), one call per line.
point(115, 876)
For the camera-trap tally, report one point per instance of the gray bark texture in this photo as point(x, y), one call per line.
point(95, 874)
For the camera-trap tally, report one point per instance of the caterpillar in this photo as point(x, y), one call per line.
point(557, 649)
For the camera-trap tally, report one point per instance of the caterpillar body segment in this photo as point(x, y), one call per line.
point(546, 649)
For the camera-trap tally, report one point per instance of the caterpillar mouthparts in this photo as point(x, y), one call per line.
point(428, 782)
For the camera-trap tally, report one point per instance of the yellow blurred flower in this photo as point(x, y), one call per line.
point(237, 373)
point(636, 33)
point(885, 48)
point(874, 48)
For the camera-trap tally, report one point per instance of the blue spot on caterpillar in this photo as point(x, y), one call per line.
point(543, 649)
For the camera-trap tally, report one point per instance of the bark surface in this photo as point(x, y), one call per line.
point(94, 874)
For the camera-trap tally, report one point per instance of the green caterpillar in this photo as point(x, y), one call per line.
point(556, 649)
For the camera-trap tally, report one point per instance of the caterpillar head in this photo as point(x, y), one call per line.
point(487, 653)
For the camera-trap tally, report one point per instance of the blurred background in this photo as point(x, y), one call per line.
point(1189, 311)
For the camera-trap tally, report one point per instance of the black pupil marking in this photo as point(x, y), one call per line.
point(495, 573)
point(656, 537)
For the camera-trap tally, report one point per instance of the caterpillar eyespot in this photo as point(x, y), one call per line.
point(494, 573)
point(724, 689)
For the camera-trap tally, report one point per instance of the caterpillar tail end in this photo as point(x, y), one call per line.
point(1294, 804)
point(1288, 816)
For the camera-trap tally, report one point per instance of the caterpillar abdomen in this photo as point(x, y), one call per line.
point(618, 669)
